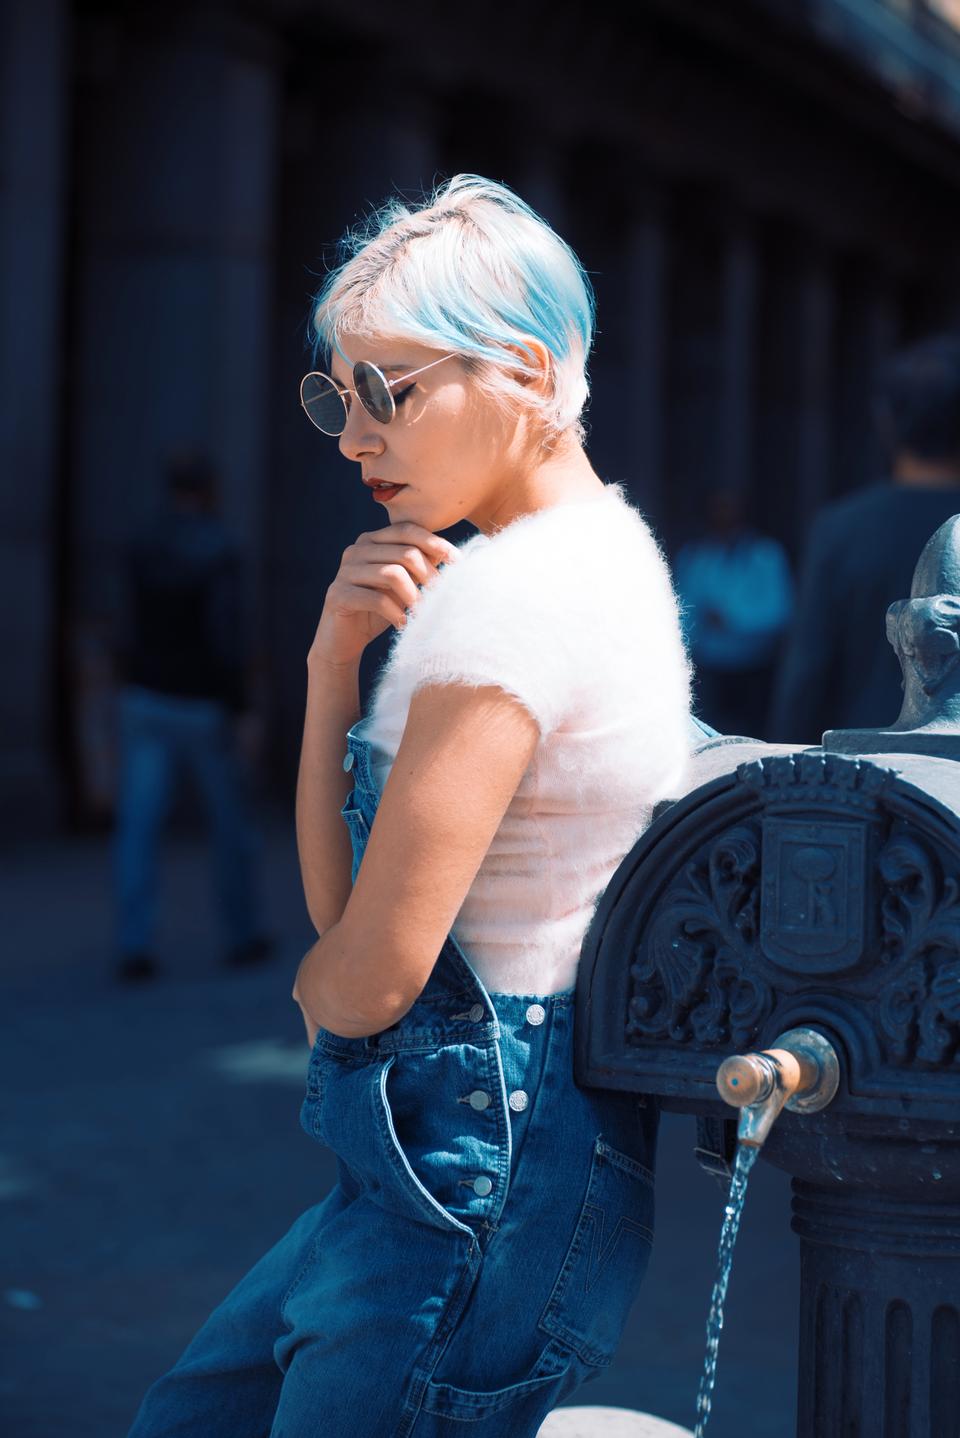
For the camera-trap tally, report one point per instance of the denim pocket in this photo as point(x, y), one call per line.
point(333, 1108)
point(401, 1166)
point(554, 1375)
point(607, 1257)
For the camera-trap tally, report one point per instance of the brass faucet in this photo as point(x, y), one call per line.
point(800, 1072)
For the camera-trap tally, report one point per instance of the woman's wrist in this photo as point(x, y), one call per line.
point(320, 662)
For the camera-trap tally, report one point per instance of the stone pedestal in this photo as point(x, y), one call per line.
point(608, 1423)
point(879, 1310)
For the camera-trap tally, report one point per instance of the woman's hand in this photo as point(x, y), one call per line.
point(312, 1028)
point(379, 579)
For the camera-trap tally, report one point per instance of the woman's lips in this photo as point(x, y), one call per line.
point(388, 492)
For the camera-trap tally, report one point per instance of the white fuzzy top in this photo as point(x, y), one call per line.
point(571, 610)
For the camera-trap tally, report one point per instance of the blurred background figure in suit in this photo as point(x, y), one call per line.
point(737, 598)
point(183, 704)
point(838, 671)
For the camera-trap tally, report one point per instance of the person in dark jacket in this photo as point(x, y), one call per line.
point(838, 671)
point(183, 704)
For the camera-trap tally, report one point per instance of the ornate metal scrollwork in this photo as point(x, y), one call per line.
point(828, 886)
point(919, 1007)
point(695, 980)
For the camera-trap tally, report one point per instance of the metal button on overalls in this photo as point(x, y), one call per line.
point(348, 759)
point(476, 1013)
point(482, 1186)
point(536, 1014)
point(479, 1099)
point(518, 1100)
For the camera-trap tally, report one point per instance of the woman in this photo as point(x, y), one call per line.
point(492, 1221)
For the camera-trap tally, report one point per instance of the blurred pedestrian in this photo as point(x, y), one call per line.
point(183, 704)
point(838, 671)
point(736, 591)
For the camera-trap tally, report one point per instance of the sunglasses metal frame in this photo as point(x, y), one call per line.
point(388, 385)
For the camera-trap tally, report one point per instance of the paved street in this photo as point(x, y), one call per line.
point(151, 1152)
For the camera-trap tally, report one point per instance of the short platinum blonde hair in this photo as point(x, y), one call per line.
point(473, 270)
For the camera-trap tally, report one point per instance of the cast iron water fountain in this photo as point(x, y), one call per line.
point(818, 890)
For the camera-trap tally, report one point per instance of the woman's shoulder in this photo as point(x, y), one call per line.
point(546, 606)
point(551, 580)
point(610, 508)
point(593, 535)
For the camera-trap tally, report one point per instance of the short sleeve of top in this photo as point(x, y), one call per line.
point(493, 618)
point(570, 609)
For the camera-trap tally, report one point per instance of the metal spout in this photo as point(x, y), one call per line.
point(800, 1072)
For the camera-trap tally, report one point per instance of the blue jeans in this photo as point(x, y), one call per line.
point(478, 1257)
point(160, 734)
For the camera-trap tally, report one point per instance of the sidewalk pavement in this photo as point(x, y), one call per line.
point(151, 1152)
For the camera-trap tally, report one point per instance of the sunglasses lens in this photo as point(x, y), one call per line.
point(372, 391)
point(323, 403)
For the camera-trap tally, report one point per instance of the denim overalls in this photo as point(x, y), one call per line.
point(477, 1259)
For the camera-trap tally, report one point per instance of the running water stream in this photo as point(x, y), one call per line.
point(746, 1158)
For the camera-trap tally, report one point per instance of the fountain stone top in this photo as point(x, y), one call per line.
point(601, 1422)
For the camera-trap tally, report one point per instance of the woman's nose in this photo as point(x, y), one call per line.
point(359, 438)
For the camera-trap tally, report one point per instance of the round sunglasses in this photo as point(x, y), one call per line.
point(327, 406)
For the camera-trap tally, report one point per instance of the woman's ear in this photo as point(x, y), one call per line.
point(537, 364)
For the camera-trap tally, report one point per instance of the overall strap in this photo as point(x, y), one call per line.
point(452, 976)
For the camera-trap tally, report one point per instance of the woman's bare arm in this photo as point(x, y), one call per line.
point(323, 841)
point(379, 580)
point(463, 753)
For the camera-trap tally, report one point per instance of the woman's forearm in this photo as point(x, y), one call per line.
point(323, 841)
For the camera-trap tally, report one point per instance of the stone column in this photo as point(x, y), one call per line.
point(540, 183)
point(867, 335)
point(646, 307)
point(739, 281)
point(814, 327)
point(177, 162)
point(32, 104)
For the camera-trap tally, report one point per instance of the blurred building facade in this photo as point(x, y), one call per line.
point(761, 192)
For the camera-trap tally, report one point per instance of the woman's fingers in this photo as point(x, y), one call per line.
point(399, 565)
point(382, 572)
point(392, 579)
point(402, 557)
point(355, 598)
point(437, 550)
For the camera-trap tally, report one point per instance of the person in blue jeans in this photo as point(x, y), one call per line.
point(491, 1222)
point(182, 704)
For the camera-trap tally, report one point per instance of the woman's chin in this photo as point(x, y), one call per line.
point(403, 510)
point(397, 512)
